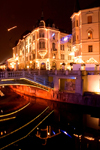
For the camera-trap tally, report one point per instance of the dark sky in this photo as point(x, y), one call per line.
point(25, 13)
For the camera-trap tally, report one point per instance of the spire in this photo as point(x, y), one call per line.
point(42, 16)
point(76, 6)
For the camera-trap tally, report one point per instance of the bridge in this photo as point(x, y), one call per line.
point(25, 77)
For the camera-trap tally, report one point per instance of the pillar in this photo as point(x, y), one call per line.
point(56, 83)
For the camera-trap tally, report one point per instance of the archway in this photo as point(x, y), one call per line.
point(53, 65)
point(43, 66)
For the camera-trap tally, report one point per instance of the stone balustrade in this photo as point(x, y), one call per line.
point(31, 75)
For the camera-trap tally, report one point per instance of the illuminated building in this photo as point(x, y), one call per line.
point(44, 48)
point(85, 32)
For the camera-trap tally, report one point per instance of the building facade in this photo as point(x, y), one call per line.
point(43, 48)
point(86, 35)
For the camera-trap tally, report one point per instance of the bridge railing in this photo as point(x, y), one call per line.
point(32, 75)
point(2, 75)
point(64, 72)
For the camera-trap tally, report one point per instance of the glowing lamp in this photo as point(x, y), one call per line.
point(53, 34)
point(72, 54)
point(66, 38)
point(48, 133)
point(1, 133)
point(27, 67)
point(47, 60)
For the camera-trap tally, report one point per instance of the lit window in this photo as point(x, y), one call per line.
point(90, 48)
point(89, 19)
point(54, 56)
point(89, 34)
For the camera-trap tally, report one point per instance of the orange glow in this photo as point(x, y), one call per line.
point(1, 133)
point(11, 28)
point(78, 60)
point(91, 60)
point(89, 138)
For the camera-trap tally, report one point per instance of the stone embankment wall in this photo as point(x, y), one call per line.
point(74, 98)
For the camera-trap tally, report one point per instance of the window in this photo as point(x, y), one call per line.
point(74, 37)
point(73, 24)
point(69, 48)
point(54, 37)
point(43, 44)
point(33, 56)
point(76, 23)
point(30, 40)
point(62, 47)
point(53, 46)
point(89, 19)
point(30, 57)
point(33, 37)
point(90, 48)
point(69, 57)
point(89, 34)
point(39, 34)
point(29, 48)
point(54, 56)
point(62, 56)
point(42, 34)
point(26, 58)
point(39, 44)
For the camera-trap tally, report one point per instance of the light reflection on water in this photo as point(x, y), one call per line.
point(81, 126)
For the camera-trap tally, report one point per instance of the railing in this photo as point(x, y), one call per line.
point(64, 72)
point(31, 75)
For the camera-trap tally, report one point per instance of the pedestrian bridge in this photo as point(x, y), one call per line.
point(30, 78)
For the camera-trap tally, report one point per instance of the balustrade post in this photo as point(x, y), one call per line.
point(39, 72)
point(6, 74)
point(44, 82)
point(34, 77)
point(66, 72)
point(55, 72)
point(23, 73)
point(79, 72)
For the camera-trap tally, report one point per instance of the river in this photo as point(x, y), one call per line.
point(69, 125)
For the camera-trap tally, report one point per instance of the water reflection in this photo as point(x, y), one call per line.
point(76, 126)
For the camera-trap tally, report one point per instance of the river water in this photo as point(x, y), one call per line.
point(70, 126)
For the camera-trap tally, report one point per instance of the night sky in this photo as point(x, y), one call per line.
point(25, 14)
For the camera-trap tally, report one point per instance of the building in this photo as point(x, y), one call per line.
point(86, 34)
point(44, 48)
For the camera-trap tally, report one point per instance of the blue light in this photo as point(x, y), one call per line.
point(66, 38)
point(53, 34)
point(53, 132)
point(66, 133)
